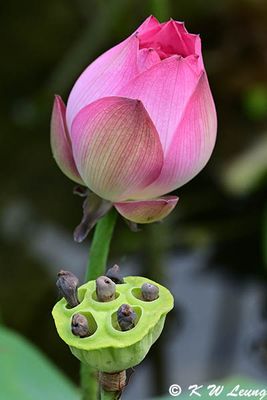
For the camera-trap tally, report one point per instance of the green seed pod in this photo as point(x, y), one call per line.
point(108, 348)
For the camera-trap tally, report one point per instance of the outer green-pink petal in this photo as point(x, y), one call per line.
point(146, 211)
point(60, 142)
point(116, 148)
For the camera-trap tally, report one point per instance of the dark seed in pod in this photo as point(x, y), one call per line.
point(126, 317)
point(67, 284)
point(149, 292)
point(79, 326)
point(114, 274)
point(105, 289)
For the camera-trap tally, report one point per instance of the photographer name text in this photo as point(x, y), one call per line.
point(213, 390)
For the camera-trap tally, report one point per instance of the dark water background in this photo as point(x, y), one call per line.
point(211, 252)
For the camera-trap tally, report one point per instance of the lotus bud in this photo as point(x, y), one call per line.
point(144, 107)
point(67, 284)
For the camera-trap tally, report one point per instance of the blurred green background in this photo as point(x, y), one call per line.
point(222, 214)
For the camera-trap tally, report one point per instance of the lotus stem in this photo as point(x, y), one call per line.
point(96, 267)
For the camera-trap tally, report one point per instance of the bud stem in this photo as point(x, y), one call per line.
point(96, 267)
point(100, 246)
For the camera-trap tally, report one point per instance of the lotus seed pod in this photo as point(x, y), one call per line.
point(126, 317)
point(67, 284)
point(149, 292)
point(109, 348)
point(105, 289)
point(115, 275)
point(79, 326)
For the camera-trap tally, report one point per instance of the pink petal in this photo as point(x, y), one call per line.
point(146, 58)
point(150, 23)
point(146, 211)
point(165, 90)
point(192, 41)
point(60, 142)
point(104, 76)
point(171, 39)
point(116, 148)
point(192, 144)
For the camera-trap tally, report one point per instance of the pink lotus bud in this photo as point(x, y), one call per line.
point(140, 121)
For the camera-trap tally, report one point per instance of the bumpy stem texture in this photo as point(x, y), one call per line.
point(109, 395)
point(96, 267)
point(112, 385)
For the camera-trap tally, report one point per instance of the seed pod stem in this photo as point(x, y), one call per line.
point(113, 382)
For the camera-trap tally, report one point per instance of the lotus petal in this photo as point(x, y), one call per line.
point(147, 211)
point(60, 142)
point(104, 76)
point(165, 89)
point(192, 143)
point(116, 148)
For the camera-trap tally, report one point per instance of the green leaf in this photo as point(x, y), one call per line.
point(26, 374)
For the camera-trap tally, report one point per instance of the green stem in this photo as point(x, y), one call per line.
point(89, 382)
point(96, 267)
point(100, 246)
point(109, 395)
